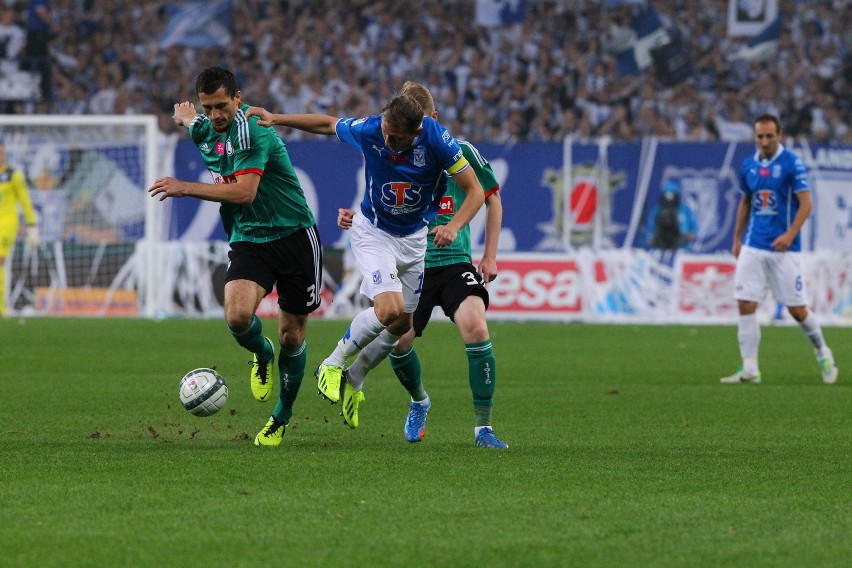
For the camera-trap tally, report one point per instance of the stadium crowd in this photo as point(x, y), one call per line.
point(552, 74)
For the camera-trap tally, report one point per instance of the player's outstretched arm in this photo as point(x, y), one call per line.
point(313, 123)
point(474, 198)
point(241, 192)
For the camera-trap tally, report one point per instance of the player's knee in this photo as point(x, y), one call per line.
point(470, 319)
point(475, 333)
point(389, 308)
point(238, 320)
point(746, 308)
point(799, 313)
point(404, 343)
point(401, 325)
point(291, 330)
point(291, 339)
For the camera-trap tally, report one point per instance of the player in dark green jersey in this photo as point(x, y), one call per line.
point(271, 231)
point(452, 282)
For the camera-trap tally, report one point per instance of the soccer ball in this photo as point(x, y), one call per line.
point(203, 392)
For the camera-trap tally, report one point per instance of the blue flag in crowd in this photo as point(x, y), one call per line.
point(199, 24)
point(500, 12)
point(764, 45)
point(649, 33)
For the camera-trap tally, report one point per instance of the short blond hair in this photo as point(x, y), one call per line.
point(420, 94)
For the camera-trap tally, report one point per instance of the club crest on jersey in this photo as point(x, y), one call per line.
point(419, 157)
point(229, 148)
point(377, 277)
point(764, 202)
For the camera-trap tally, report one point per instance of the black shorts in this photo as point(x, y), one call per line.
point(293, 264)
point(447, 286)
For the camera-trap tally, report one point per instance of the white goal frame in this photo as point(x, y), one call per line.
point(156, 160)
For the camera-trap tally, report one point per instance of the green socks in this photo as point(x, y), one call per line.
point(291, 371)
point(482, 374)
point(252, 339)
point(407, 369)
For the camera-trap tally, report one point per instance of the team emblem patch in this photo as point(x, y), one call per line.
point(377, 277)
point(419, 157)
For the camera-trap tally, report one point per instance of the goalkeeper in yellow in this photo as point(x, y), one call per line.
point(13, 194)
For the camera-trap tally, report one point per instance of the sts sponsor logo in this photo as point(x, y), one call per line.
point(764, 202)
point(401, 197)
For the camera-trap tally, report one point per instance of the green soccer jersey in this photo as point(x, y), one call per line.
point(279, 208)
point(459, 250)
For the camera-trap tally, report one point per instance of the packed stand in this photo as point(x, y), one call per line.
point(551, 76)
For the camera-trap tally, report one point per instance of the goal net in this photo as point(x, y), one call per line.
point(87, 178)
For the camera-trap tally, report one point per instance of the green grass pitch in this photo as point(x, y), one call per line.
point(624, 451)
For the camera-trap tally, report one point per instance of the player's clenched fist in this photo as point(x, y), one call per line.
point(344, 218)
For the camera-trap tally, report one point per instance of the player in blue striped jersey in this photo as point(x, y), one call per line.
point(774, 203)
point(406, 157)
point(453, 283)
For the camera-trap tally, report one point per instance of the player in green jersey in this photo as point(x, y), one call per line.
point(272, 234)
point(452, 282)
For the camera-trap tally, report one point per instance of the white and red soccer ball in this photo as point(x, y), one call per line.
point(203, 392)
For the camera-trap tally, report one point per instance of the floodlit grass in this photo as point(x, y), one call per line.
point(625, 450)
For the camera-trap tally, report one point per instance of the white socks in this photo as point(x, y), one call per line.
point(749, 337)
point(812, 330)
point(370, 357)
point(363, 329)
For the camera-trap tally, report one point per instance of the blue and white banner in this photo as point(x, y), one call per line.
point(198, 24)
point(762, 46)
point(493, 13)
point(749, 17)
point(649, 34)
point(602, 199)
point(573, 244)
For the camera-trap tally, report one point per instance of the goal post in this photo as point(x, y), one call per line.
point(100, 233)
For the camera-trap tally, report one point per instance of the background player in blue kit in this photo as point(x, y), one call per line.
point(775, 201)
point(406, 155)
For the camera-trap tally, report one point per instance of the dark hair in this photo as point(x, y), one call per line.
point(404, 113)
point(769, 118)
point(212, 78)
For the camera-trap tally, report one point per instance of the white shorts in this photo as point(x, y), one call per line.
point(758, 269)
point(388, 263)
